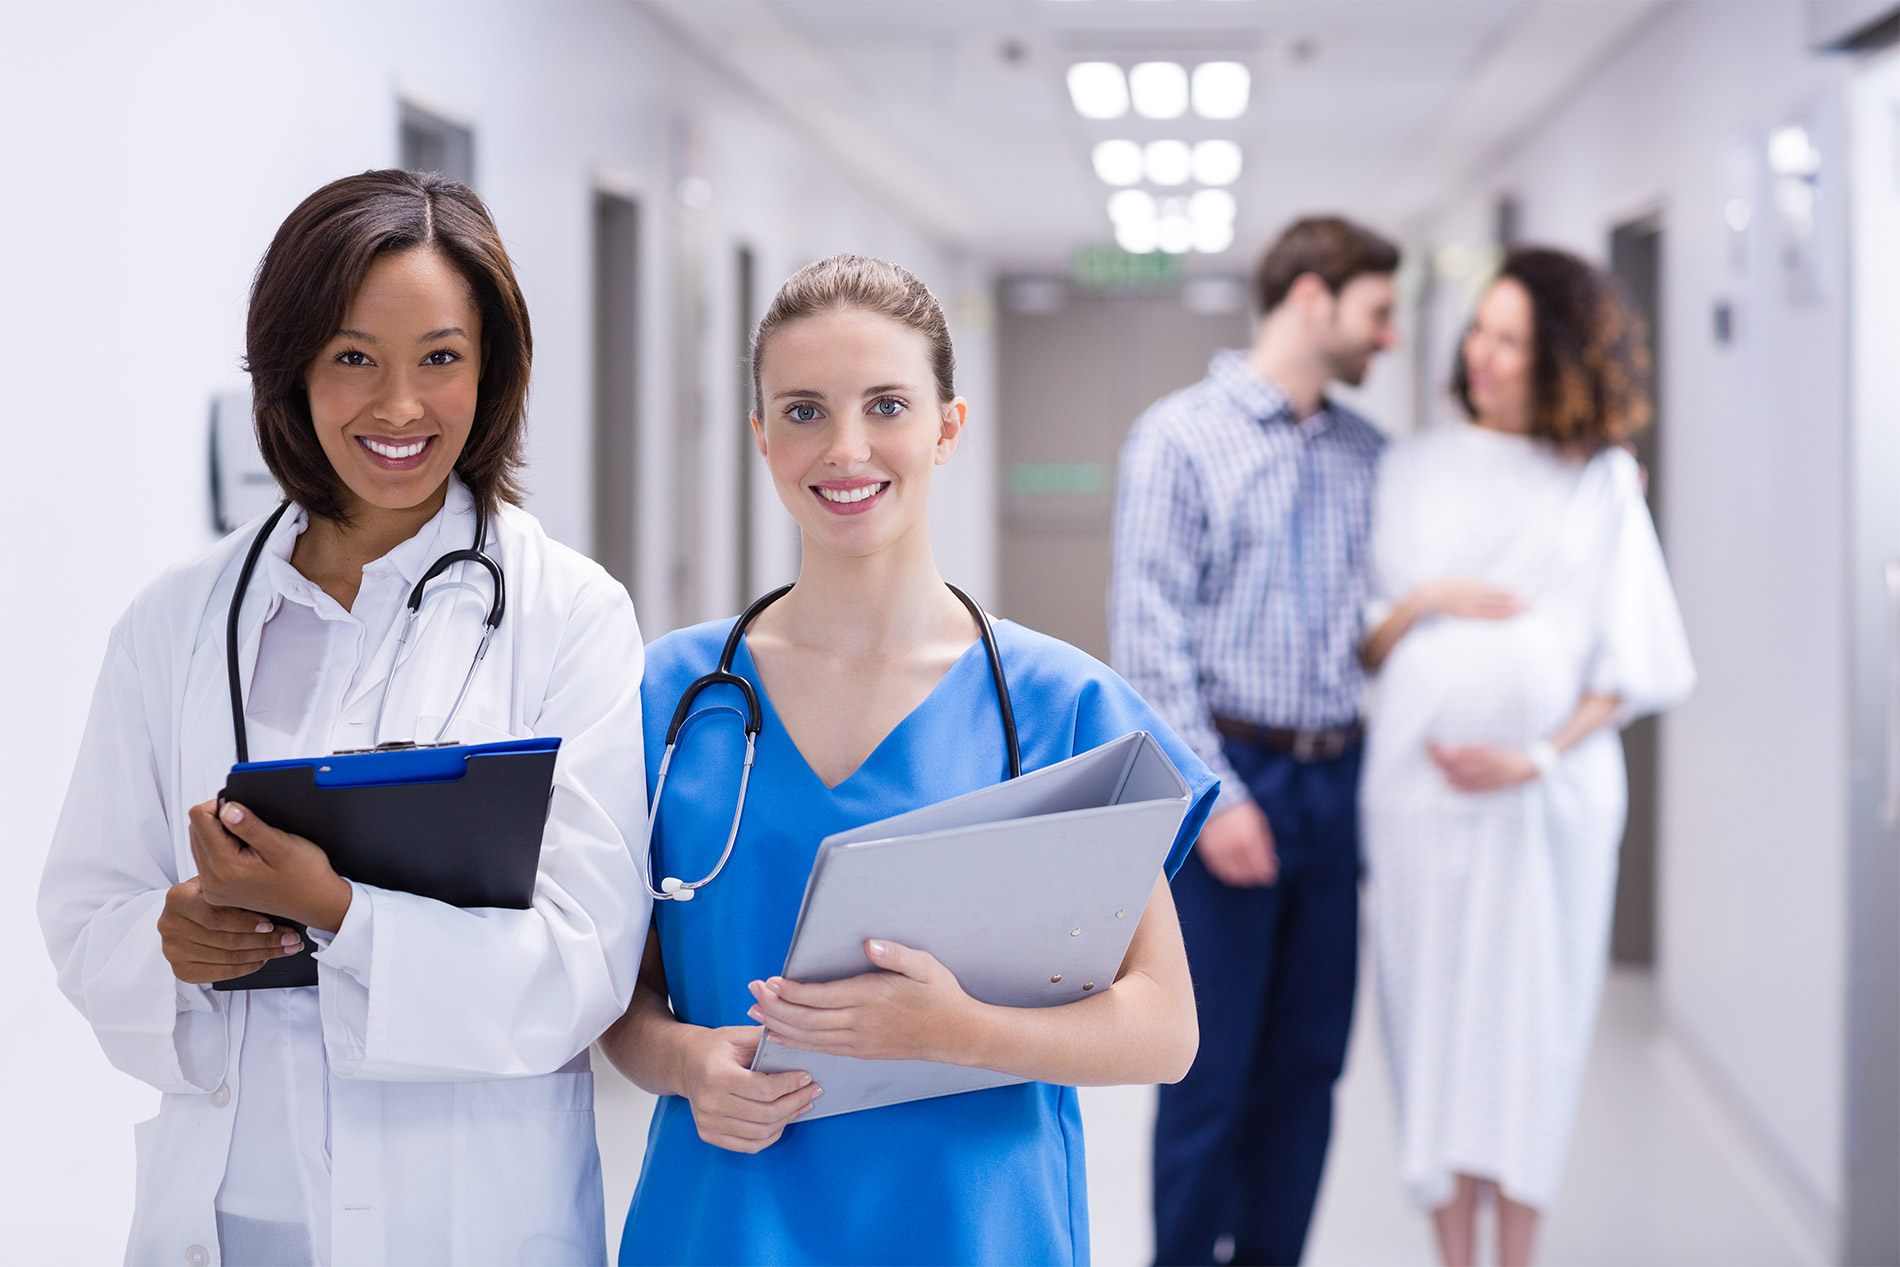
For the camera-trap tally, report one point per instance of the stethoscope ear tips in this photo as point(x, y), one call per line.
point(675, 889)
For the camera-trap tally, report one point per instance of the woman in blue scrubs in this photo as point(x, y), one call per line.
point(877, 698)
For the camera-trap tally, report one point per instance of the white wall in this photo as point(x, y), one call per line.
point(1753, 823)
point(148, 154)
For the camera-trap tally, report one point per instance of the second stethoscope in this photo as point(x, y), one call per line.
point(495, 607)
point(672, 887)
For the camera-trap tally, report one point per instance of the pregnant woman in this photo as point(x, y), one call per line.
point(1521, 613)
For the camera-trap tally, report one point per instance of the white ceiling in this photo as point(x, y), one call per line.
point(956, 109)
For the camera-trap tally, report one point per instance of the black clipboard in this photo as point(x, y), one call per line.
point(460, 824)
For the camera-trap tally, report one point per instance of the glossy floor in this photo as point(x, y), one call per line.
point(1657, 1174)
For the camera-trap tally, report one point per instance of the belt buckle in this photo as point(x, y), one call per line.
point(1309, 745)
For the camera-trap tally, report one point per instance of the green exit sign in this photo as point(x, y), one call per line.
point(1111, 268)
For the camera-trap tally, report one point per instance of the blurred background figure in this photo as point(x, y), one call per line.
point(1520, 612)
point(1088, 185)
point(1239, 574)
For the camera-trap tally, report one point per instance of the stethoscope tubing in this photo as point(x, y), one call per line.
point(752, 718)
point(496, 607)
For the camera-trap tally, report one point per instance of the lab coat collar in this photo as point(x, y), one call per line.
point(451, 528)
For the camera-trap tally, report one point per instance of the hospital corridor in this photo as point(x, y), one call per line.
point(1451, 447)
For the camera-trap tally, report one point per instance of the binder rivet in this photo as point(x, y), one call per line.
point(1056, 978)
point(1089, 986)
point(323, 769)
point(1075, 932)
point(1121, 913)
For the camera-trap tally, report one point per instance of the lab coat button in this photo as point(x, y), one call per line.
point(219, 1098)
point(197, 1256)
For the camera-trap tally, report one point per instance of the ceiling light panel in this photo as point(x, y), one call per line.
point(1221, 90)
point(1136, 238)
point(1212, 239)
point(1159, 90)
point(1132, 206)
point(1098, 89)
point(1216, 162)
point(1118, 162)
point(1168, 162)
point(1211, 206)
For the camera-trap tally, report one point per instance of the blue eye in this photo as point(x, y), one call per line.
point(802, 413)
point(887, 407)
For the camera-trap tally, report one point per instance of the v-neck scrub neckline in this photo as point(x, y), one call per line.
point(745, 666)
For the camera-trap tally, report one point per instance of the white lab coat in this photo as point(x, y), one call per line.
point(461, 1122)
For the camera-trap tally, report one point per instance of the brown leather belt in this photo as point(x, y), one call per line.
point(1304, 745)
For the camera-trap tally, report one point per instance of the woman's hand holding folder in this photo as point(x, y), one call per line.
point(245, 862)
point(205, 942)
point(912, 1009)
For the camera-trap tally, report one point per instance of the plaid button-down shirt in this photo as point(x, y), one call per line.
point(1239, 577)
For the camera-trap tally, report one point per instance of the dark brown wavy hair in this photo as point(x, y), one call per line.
point(1590, 368)
point(1331, 248)
point(304, 286)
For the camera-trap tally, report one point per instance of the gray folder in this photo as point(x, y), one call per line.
point(1028, 891)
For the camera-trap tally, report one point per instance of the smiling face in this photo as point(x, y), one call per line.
point(1498, 354)
point(393, 393)
point(853, 428)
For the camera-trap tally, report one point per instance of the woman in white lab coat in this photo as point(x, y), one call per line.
point(429, 1099)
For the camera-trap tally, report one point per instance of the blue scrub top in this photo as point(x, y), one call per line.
point(984, 1177)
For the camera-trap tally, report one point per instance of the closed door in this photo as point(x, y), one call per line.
point(1076, 368)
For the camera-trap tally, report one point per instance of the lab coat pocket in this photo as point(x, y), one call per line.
point(527, 1171)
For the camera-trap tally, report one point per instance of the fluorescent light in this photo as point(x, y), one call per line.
point(1131, 206)
point(1213, 238)
point(1211, 206)
point(1174, 234)
point(1136, 239)
point(1098, 89)
point(1159, 90)
point(1118, 162)
point(1168, 162)
point(1790, 151)
point(1216, 162)
point(1220, 90)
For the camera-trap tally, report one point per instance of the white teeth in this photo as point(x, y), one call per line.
point(395, 450)
point(845, 496)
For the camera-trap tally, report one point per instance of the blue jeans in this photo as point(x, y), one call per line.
point(1241, 1141)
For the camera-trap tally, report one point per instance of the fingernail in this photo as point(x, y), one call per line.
point(772, 985)
point(263, 926)
point(804, 1080)
point(291, 939)
point(753, 1012)
point(816, 1092)
point(877, 948)
point(233, 815)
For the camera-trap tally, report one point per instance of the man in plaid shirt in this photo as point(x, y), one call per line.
point(1241, 529)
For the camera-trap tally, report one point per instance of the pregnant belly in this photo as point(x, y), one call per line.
point(1481, 681)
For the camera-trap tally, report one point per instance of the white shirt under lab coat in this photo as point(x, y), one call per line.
point(449, 1047)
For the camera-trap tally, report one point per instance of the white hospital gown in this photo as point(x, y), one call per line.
point(1491, 912)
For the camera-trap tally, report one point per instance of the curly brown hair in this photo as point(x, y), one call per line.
point(305, 284)
point(1590, 368)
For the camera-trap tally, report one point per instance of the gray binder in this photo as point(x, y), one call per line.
point(1029, 891)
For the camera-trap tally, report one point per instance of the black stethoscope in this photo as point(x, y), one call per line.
point(441, 565)
point(672, 888)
